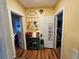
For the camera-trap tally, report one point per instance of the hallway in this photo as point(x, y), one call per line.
point(38, 22)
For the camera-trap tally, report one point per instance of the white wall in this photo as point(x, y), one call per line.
point(5, 39)
point(1, 50)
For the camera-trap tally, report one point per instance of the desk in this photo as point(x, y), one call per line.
point(32, 43)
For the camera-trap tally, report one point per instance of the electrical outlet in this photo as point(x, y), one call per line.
point(75, 54)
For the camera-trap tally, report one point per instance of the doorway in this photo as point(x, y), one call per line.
point(17, 33)
point(58, 33)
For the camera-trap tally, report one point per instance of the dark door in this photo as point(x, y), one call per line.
point(59, 29)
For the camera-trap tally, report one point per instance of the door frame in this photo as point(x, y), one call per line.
point(9, 12)
point(21, 26)
point(55, 31)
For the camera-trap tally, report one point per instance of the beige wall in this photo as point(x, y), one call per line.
point(59, 6)
point(14, 6)
point(71, 29)
point(46, 12)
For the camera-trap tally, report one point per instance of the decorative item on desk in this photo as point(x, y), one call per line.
point(34, 34)
point(37, 34)
point(29, 34)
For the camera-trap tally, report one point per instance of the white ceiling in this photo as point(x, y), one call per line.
point(37, 3)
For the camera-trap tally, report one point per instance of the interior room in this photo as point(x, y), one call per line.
point(39, 29)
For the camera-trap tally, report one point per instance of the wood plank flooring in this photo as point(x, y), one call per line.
point(58, 52)
point(19, 51)
point(39, 54)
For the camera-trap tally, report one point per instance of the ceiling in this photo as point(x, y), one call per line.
point(37, 3)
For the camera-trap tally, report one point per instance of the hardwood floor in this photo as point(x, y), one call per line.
point(38, 54)
point(19, 51)
point(59, 52)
